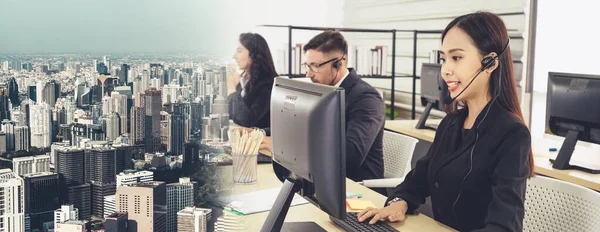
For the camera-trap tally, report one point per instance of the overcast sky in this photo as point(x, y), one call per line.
point(113, 26)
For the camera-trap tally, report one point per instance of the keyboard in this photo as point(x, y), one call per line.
point(350, 223)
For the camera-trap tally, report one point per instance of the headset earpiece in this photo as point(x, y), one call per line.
point(336, 64)
point(487, 62)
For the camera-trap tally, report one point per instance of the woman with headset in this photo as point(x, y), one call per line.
point(250, 94)
point(477, 167)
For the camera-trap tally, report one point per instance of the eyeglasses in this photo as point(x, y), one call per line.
point(315, 67)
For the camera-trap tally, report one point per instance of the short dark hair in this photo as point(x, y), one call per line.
point(328, 41)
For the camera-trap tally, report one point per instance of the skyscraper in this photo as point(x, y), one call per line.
point(124, 77)
point(51, 92)
point(41, 125)
point(42, 197)
point(22, 138)
point(13, 92)
point(5, 105)
point(177, 129)
point(8, 127)
point(192, 219)
point(144, 204)
point(13, 204)
point(80, 197)
point(120, 107)
point(113, 123)
point(31, 164)
point(152, 120)
point(2, 142)
point(70, 165)
point(32, 92)
point(179, 196)
point(138, 119)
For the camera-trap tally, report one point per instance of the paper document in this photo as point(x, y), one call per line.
point(255, 202)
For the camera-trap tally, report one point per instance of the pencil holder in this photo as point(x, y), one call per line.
point(244, 168)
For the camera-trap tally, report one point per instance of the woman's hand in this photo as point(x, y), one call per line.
point(395, 212)
point(267, 144)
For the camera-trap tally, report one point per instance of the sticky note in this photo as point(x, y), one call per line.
point(356, 204)
point(353, 195)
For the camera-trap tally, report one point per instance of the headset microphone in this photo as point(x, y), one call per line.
point(449, 99)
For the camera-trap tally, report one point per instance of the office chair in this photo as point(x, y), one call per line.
point(397, 156)
point(555, 205)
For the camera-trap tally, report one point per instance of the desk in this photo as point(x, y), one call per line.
point(309, 212)
point(539, 148)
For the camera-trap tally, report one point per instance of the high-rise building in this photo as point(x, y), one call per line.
point(2, 142)
point(152, 120)
point(41, 125)
point(80, 197)
point(12, 205)
point(112, 123)
point(51, 92)
point(124, 155)
point(179, 196)
point(22, 138)
point(124, 73)
point(144, 204)
point(129, 177)
point(138, 118)
point(120, 107)
point(192, 219)
point(42, 197)
point(8, 127)
point(191, 157)
point(177, 135)
point(32, 92)
point(13, 92)
point(107, 104)
point(99, 191)
point(66, 213)
point(100, 164)
point(116, 222)
point(70, 165)
point(31, 164)
point(5, 105)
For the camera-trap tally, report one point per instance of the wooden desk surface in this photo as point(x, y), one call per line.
point(539, 147)
point(309, 212)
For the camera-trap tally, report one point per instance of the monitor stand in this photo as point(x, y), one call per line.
point(280, 209)
point(566, 151)
point(421, 124)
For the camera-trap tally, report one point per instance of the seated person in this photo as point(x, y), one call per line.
point(326, 64)
point(477, 167)
point(250, 93)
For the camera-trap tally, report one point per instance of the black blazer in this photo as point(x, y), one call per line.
point(365, 120)
point(485, 194)
point(254, 109)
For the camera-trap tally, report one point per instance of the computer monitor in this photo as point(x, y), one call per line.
point(572, 112)
point(433, 89)
point(309, 143)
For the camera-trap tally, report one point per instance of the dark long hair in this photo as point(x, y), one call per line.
point(489, 34)
point(262, 69)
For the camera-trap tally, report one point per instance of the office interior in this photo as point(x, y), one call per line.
point(549, 39)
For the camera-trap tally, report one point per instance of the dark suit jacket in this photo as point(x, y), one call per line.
point(482, 191)
point(365, 118)
point(254, 109)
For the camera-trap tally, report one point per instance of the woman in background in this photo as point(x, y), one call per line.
point(250, 93)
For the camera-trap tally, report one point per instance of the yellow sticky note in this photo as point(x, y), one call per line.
point(357, 204)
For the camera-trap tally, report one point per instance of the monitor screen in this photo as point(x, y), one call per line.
point(573, 105)
point(308, 131)
point(431, 81)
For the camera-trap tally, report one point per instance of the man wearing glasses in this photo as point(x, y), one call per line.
point(326, 64)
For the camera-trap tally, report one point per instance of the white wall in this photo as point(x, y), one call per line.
point(566, 41)
point(248, 15)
